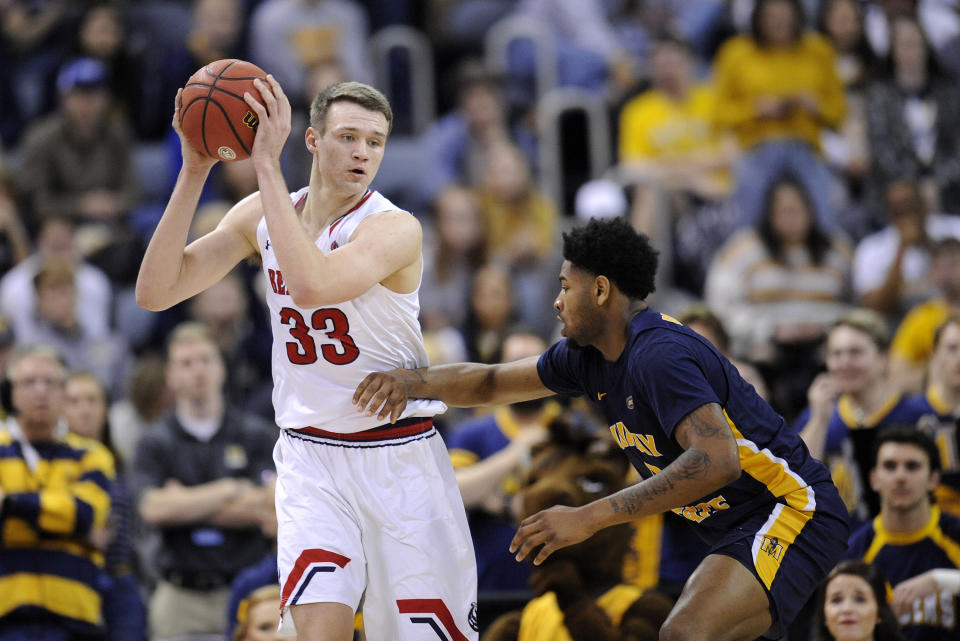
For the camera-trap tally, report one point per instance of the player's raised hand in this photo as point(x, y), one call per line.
point(384, 391)
point(553, 528)
point(192, 158)
point(273, 113)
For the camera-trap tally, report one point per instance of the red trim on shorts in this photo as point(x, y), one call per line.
point(401, 429)
point(435, 607)
point(305, 560)
point(366, 197)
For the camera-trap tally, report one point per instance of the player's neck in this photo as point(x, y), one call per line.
point(905, 521)
point(613, 340)
point(323, 206)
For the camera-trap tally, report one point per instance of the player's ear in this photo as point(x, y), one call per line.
point(602, 289)
point(312, 139)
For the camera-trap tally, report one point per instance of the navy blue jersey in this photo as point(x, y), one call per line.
point(848, 450)
point(905, 555)
point(665, 372)
point(897, 409)
point(940, 423)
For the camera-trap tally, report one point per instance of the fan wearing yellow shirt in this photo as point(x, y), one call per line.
point(777, 89)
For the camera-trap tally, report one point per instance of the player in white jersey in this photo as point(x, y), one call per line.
point(368, 513)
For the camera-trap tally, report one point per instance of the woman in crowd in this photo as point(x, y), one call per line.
point(777, 287)
point(259, 616)
point(913, 120)
point(853, 606)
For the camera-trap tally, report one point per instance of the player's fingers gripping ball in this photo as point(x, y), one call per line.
point(215, 118)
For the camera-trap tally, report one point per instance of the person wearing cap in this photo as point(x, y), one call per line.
point(77, 161)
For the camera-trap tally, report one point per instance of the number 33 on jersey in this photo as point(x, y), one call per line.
point(325, 352)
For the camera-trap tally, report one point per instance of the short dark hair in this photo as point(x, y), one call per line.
point(355, 92)
point(908, 435)
point(613, 248)
point(887, 629)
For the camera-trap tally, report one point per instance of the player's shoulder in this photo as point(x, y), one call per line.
point(245, 215)
point(657, 330)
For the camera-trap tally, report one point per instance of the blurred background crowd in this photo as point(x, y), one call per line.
point(797, 163)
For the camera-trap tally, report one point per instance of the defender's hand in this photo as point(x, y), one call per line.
point(554, 528)
point(384, 391)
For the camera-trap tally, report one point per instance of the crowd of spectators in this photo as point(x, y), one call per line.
point(797, 163)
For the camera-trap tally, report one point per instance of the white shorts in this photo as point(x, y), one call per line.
point(377, 516)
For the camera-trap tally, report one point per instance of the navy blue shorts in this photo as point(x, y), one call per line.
point(790, 551)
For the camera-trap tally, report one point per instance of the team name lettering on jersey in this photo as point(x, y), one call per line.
point(643, 442)
point(697, 513)
point(276, 282)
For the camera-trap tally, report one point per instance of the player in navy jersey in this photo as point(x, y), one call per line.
point(706, 445)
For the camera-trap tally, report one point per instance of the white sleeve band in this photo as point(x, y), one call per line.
point(947, 580)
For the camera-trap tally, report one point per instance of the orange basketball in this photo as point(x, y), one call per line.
point(215, 118)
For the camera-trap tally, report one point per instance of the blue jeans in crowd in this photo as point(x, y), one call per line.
point(765, 162)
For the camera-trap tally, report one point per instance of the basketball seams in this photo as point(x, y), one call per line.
point(214, 88)
point(226, 119)
point(212, 84)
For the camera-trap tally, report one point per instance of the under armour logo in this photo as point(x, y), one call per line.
point(472, 619)
point(334, 245)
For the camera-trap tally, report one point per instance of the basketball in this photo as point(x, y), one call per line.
point(215, 118)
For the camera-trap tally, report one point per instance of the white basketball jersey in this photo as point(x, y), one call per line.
point(320, 355)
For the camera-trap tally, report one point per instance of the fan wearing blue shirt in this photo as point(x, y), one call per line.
point(707, 446)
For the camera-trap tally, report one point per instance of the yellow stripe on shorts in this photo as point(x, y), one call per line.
point(773, 540)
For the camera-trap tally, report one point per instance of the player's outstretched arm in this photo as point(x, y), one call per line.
point(710, 461)
point(459, 384)
point(172, 272)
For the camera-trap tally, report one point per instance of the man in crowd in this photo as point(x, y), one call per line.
point(911, 539)
point(54, 504)
point(204, 477)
